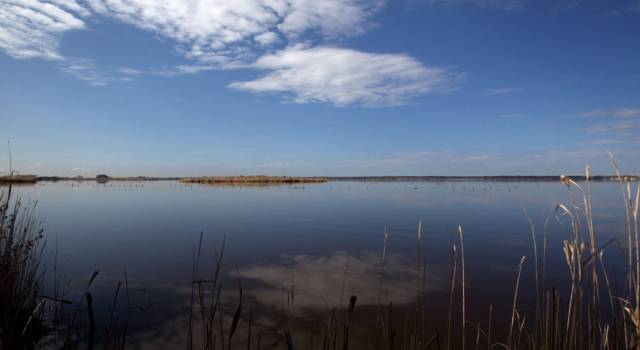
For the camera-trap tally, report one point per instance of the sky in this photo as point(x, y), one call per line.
point(319, 87)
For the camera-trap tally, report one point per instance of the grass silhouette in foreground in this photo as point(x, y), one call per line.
point(591, 313)
point(22, 323)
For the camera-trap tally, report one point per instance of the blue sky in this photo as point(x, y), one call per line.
point(331, 87)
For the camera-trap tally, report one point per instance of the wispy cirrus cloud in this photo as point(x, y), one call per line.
point(474, 158)
point(615, 141)
point(621, 126)
point(554, 155)
point(537, 162)
point(344, 77)
point(623, 112)
point(501, 91)
point(81, 170)
point(509, 5)
point(33, 28)
point(420, 157)
point(212, 31)
point(87, 71)
point(566, 5)
point(227, 32)
point(513, 116)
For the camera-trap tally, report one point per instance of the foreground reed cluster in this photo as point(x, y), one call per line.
point(590, 310)
point(21, 313)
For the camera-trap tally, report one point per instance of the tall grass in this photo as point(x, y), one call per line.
point(21, 246)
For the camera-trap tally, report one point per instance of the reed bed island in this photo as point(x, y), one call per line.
point(18, 179)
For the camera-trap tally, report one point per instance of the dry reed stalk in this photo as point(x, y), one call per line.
point(464, 299)
point(92, 322)
point(236, 316)
point(384, 249)
point(454, 260)
point(419, 310)
point(633, 280)
point(489, 345)
point(352, 305)
point(515, 300)
point(537, 278)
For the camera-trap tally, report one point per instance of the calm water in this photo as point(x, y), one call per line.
point(302, 236)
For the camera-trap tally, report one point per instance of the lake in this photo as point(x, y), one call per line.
point(299, 251)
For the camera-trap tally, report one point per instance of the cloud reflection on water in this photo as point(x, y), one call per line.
point(317, 280)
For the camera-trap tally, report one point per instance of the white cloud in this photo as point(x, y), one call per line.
point(345, 77)
point(513, 116)
point(71, 5)
point(216, 32)
point(87, 71)
point(222, 32)
point(331, 17)
point(235, 34)
point(32, 28)
point(554, 155)
point(616, 113)
point(130, 71)
point(501, 4)
point(182, 70)
point(622, 126)
point(501, 91)
point(475, 158)
point(619, 127)
point(614, 141)
point(267, 38)
point(422, 157)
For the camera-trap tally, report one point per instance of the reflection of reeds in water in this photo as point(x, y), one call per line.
point(590, 313)
point(205, 302)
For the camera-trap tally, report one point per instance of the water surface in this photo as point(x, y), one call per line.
point(325, 241)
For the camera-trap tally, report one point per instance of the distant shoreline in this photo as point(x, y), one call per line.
point(493, 178)
point(25, 179)
point(117, 178)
